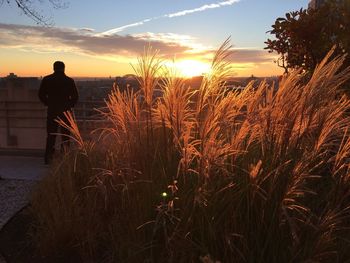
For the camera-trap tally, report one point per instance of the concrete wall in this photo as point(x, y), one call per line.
point(23, 117)
point(20, 138)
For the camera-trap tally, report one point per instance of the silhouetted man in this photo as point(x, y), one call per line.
point(59, 93)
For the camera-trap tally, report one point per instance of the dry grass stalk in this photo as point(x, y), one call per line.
point(254, 176)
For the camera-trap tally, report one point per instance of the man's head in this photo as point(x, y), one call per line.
point(58, 66)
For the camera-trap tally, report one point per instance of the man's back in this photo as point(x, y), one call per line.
point(58, 92)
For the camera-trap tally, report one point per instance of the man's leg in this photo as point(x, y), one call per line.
point(51, 128)
point(65, 139)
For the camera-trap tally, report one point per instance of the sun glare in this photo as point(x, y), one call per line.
point(191, 68)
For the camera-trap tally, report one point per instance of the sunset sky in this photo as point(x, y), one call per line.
point(102, 38)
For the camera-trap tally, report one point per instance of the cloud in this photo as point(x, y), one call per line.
point(251, 55)
point(116, 47)
point(238, 55)
point(81, 41)
point(178, 39)
point(171, 15)
point(87, 30)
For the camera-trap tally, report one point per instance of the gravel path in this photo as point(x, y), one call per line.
point(18, 177)
point(14, 195)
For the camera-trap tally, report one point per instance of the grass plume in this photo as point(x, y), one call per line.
point(207, 174)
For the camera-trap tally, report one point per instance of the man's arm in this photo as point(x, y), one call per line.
point(43, 92)
point(74, 94)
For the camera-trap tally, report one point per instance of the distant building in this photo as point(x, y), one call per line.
point(126, 82)
point(11, 75)
point(94, 90)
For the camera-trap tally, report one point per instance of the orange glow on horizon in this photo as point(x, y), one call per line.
point(30, 64)
point(190, 68)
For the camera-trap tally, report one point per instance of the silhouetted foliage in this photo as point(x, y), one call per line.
point(30, 9)
point(303, 38)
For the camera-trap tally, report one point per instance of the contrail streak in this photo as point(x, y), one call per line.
point(171, 15)
point(202, 8)
point(122, 28)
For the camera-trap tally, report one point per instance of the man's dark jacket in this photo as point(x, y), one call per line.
point(58, 92)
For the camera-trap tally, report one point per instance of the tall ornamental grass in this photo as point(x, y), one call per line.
point(206, 174)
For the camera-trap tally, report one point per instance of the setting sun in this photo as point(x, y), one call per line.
point(190, 68)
